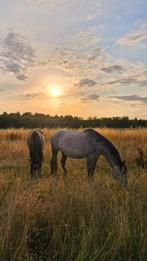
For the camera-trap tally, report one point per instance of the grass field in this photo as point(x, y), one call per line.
point(72, 219)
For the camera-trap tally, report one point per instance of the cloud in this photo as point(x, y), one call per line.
point(135, 38)
point(21, 77)
point(85, 82)
point(82, 54)
point(48, 4)
point(113, 68)
point(34, 95)
point(2, 89)
point(90, 97)
point(87, 11)
point(132, 98)
point(128, 81)
point(16, 55)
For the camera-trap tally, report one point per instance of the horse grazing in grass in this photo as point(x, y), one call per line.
point(87, 144)
point(140, 160)
point(35, 143)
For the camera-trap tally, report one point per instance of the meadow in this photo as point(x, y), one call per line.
point(73, 218)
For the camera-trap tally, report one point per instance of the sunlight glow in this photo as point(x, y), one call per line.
point(55, 91)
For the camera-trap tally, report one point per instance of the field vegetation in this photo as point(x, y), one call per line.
point(73, 218)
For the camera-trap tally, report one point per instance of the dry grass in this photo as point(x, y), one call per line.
point(59, 219)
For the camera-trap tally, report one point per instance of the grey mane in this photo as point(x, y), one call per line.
point(108, 146)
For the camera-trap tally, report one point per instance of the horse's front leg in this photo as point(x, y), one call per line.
point(53, 162)
point(63, 162)
point(91, 164)
point(31, 172)
point(31, 169)
point(39, 170)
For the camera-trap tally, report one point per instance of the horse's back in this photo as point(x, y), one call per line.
point(72, 143)
point(59, 136)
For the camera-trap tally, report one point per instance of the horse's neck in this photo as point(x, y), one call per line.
point(108, 154)
point(108, 158)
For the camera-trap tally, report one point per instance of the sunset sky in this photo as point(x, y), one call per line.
point(79, 57)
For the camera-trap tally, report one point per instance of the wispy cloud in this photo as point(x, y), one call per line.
point(132, 98)
point(88, 11)
point(16, 55)
point(90, 97)
point(125, 81)
point(134, 38)
point(85, 82)
point(49, 4)
point(113, 68)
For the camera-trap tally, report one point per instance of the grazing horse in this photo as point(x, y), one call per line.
point(140, 160)
point(87, 144)
point(35, 143)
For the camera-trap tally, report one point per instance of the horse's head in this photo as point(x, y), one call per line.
point(120, 173)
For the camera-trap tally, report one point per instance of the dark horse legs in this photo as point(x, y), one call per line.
point(63, 162)
point(53, 162)
point(35, 171)
point(39, 170)
point(91, 164)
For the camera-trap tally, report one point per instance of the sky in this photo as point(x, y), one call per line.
point(82, 57)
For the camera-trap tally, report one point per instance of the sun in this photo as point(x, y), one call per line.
point(55, 91)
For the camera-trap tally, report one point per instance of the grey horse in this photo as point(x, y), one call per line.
point(35, 143)
point(87, 144)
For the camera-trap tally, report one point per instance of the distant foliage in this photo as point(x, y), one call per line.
point(38, 120)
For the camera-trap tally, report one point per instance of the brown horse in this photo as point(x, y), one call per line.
point(35, 143)
point(140, 160)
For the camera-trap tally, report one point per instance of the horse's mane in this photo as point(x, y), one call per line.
point(107, 144)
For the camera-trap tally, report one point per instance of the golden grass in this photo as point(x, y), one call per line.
point(52, 218)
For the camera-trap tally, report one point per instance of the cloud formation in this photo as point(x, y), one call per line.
point(134, 38)
point(90, 97)
point(85, 82)
point(49, 4)
point(87, 11)
point(132, 98)
point(16, 55)
point(113, 68)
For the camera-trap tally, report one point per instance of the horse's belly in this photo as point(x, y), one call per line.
point(75, 149)
point(73, 153)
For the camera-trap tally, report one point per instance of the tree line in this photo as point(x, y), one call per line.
point(39, 120)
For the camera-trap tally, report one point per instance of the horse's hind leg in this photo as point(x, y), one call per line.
point(91, 164)
point(63, 162)
point(39, 170)
point(31, 169)
point(53, 162)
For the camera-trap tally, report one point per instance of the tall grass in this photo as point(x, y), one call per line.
point(52, 218)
